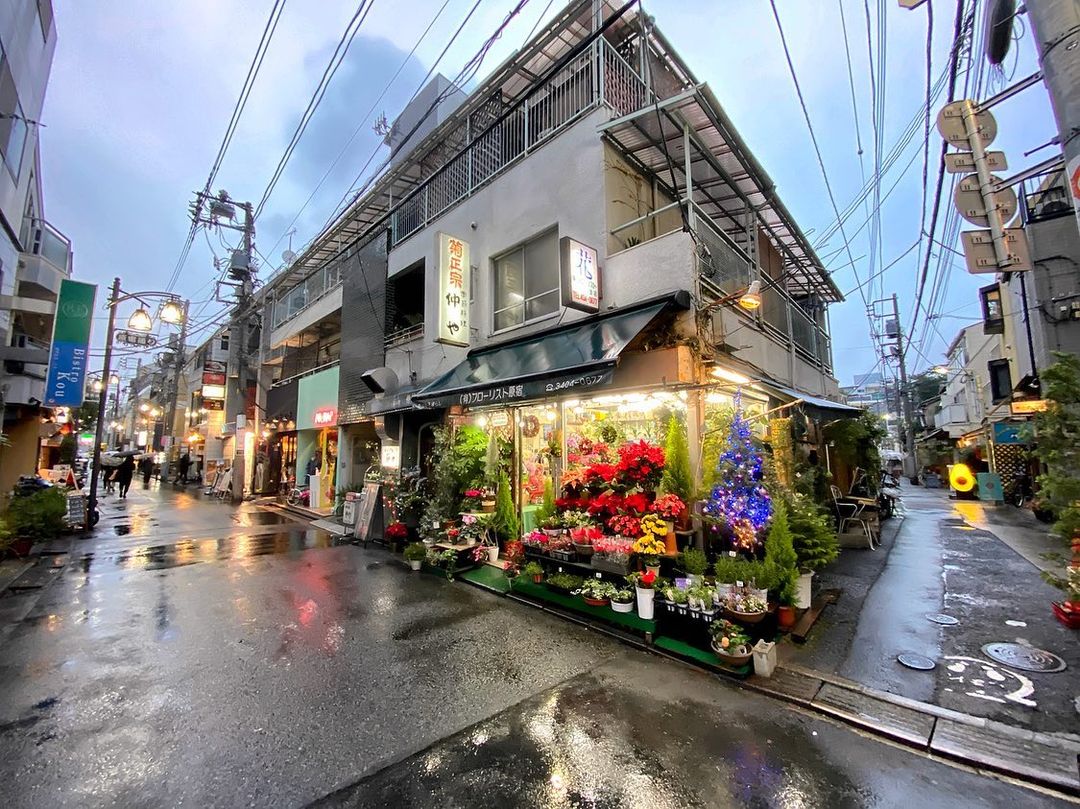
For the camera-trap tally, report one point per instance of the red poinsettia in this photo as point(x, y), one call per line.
point(670, 506)
point(640, 464)
point(637, 503)
point(396, 531)
point(605, 504)
point(600, 475)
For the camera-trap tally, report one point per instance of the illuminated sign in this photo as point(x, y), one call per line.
point(960, 477)
point(391, 456)
point(213, 391)
point(453, 290)
point(324, 417)
point(580, 275)
point(500, 418)
point(1024, 407)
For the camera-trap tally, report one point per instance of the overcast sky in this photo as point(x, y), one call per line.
point(141, 93)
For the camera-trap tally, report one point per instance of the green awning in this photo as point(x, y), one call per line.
point(576, 357)
point(824, 407)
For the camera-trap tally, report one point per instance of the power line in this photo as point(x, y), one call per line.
point(230, 130)
point(338, 56)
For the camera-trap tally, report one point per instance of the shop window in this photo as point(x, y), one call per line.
point(1000, 380)
point(405, 303)
point(527, 282)
point(993, 318)
point(12, 122)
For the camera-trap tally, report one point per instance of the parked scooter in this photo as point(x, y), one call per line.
point(889, 494)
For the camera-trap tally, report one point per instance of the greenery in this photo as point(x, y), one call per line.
point(547, 505)
point(459, 463)
point(855, 441)
point(505, 522)
point(780, 557)
point(415, 552)
point(595, 588)
point(1059, 448)
point(622, 595)
point(39, 515)
point(812, 532)
point(677, 478)
point(532, 570)
point(694, 561)
point(69, 446)
point(564, 581)
point(731, 569)
point(717, 427)
point(447, 560)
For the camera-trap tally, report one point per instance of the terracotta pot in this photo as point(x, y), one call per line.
point(671, 546)
point(785, 616)
point(488, 506)
point(539, 577)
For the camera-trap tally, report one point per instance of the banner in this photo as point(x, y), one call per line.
point(68, 355)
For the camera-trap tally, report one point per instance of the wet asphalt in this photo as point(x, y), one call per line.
point(266, 666)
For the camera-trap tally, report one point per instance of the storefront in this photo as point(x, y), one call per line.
point(277, 448)
point(317, 437)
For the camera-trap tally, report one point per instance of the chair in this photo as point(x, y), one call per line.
point(848, 511)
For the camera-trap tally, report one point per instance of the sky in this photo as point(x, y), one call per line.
point(140, 95)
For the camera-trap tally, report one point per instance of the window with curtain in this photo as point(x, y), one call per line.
point(527, 282)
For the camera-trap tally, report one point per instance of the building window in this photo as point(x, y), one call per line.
point(993, 318)
point(1000, 380)
point(405, 304)
point(527, 282)
point(45, 17)
point(12, 122)
point(223, 343)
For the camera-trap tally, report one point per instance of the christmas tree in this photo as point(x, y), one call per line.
point(739, 499)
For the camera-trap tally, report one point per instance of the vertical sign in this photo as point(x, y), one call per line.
point(580, 275)
point(453, 290)
point(70, 340)
point(1072, 176)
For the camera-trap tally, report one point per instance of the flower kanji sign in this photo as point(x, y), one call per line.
point(453, 290)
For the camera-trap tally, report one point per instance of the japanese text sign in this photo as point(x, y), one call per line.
point(580, 275)
point(453, 290)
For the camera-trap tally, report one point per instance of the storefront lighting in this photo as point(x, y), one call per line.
point(265, 433)
point(717, 398)
point(551, 415)
point(144, 407)
point(481, 421)
point(730, 376)
point(572, 402)
point(751, 299)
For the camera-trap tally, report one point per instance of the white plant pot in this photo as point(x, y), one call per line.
point(645, 603)
point(415, 563)
point(493, 553)
point(627, 607)
point(654, 569)
point(804, 596)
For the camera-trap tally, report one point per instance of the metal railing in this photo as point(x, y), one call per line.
point(42, 239)
point(403, 335)
point(279, 382)
point(1049, 199)
point(599, 75)
point(299, 297)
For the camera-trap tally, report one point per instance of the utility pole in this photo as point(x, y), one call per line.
point(905, 398)
point(890, 343)
point(174, 391)
point(1056, 28)
point(102, 396)
point(220, 210)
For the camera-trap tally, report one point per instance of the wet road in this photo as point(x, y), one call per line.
point(273, 669)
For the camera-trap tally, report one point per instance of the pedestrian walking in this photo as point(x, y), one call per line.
point(146, 467)
point(185, 465)
point(109, 476)
point(124, 474)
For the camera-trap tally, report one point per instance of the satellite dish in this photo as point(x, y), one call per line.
point(288, 256)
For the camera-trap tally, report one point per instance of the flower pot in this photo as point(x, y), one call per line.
point(488, 506)
point(804, 595)
point(732, 660)
point(671, 546)
point(645, 602)
point(493, 553)
point(415, 563)
point(584, 552)
point(785, 615)
point(654, 569)
point(744, 617)
point(539, 577)
point(1068, 612)
point(595, 602)
point(553, 532)
point(627, 606)
point(19, 547)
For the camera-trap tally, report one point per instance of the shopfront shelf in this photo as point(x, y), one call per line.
point(628, 620)
point(696, 654)
point(488, 578)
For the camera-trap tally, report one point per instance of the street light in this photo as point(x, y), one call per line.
point(172, 312)
point(114, 380)
point(96, 385)
point(751, 299)
point(144, 407)
point(140, 320)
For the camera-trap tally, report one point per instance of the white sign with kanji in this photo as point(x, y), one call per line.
point(453, 290)
point(580, 275)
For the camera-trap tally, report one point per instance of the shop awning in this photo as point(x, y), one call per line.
point(580, 356)
point(825, 407)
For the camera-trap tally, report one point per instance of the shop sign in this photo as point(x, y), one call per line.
point(213, 391)
point(391, 456)
point(499, 419)
point(1007, 433)
point(453, 290)
point(65, 381)
point(213, 404)
point(324, 417)
point(210, 378)
point(580, 275)
point(505, 394)
point(1025, 407)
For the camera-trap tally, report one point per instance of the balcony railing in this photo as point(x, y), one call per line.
point(598, 76)
point(1049, 199)
point(403, 335)
point(42, 239)
point(300, 297)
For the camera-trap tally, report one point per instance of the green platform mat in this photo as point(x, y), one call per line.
point(539, 592)
point(699, 655)
point(488, 577)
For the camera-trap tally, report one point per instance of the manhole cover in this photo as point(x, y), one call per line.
point(1025, 658)
point(941, 618)
point(917, 662)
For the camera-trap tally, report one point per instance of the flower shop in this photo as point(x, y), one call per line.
point(686, 516)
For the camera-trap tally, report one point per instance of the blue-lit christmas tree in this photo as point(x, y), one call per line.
point(740, 500)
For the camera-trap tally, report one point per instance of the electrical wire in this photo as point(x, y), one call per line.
point(238, 110)
point(363, 8)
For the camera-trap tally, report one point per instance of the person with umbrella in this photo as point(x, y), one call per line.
point(146, 467)
point(124, 473)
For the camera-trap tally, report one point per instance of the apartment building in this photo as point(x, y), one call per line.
point(586, 231)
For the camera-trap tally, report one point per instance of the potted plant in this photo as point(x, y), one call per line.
point(671, 508)
point(595, 592)
point(560, 547)
point(470, 501)
point(396, 533)
point(563, 582)
point(612, 554)
point(814, 541)
point(553, 525)
point(34, 517)
point(730, 643)
point(622, 600)
point(583, 536)
point(649, 546)
point(447, 560)
point(487, 500)
point(781, 566)
point(679, 598)
point(694, 563)
point(534, 571)
point(415, 554)
point(643, 589)
point(743, 605)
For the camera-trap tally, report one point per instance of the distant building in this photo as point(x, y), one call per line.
point(877, 394)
